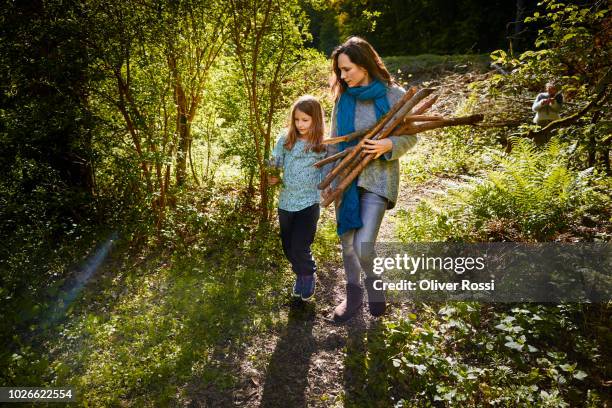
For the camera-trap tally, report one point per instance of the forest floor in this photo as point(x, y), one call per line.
point(310, 361)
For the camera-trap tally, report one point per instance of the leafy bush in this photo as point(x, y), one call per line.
point(572, 48)
point(535, 189)
point(466, 355)
point(533, 195)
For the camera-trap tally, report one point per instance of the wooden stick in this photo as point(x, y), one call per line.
point(411, 129)
point(366, 158)
point(333, 157)
point(423, 93)
point(403, 130)
point(347, 180)
point(354, 135)
point(334, 140)
point(422, 118)
point(424, 107)
point(347, 170)
point(350, 136)
point(381, 123)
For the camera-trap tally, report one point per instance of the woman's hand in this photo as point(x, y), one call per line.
point(272, 180)
point(326, 193)
point(378, 147)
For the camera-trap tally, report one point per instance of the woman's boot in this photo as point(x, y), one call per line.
point(376, 298)
point(349, 306)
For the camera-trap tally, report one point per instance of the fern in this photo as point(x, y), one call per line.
point(530, 195)
point(533, 188)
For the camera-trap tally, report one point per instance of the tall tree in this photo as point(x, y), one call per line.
point(45, 123)
point(193, 39)
point(155, 58)
point(267, 37)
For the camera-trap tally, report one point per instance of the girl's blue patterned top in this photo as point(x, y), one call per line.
point(300, 177)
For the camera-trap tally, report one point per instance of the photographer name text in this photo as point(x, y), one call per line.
point(434, 285)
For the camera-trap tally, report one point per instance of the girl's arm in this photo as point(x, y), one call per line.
point(278, 154)
point(277, 161)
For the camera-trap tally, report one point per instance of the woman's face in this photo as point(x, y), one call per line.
point(303, 122)
point(352, 74)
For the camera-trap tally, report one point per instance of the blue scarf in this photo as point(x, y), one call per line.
point(348, 215)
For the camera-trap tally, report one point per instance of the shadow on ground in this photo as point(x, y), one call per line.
point(287, 374)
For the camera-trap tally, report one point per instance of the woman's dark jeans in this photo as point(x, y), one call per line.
point(298, 230)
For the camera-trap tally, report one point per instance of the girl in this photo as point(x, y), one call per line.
point(364, 92)
point(296, 151)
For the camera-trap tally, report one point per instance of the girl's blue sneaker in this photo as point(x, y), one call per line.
point(308, 286)
point(297, 287)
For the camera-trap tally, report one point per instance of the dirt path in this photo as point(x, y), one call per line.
point(303, 363)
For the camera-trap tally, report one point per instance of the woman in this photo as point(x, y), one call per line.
point(364, 92)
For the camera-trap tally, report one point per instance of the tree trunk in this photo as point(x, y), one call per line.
point(183, 147)
point(519, 26)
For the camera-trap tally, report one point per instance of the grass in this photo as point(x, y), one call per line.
point(157, 323)
point(171, 321)
point(166, 324)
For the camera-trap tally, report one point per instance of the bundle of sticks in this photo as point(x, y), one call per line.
point(406, 117)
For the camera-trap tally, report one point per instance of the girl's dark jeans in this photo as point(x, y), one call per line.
point(298, 230)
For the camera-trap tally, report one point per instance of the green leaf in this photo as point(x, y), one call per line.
point(568, 36)
point(580, 375)
point(514, 345)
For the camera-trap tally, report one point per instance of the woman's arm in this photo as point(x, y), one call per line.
point(278, 154)
point(400, 144)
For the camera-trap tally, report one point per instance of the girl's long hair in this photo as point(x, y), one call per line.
point(361, 53)
point(310, 106)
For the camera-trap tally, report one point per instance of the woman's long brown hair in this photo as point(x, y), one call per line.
point(310, 106)
point(361, 53)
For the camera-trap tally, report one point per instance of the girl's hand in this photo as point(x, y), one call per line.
point(378, 147)
point(272, 180)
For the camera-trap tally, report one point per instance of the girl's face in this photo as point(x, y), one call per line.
point(352, 74)
point(303, 122)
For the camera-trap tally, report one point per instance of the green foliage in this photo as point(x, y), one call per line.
point(267, 41)
point(532, 195)
point(571, 47)
point(468, 355)
point(307, 75)
point(536, 191)
point(175, 313)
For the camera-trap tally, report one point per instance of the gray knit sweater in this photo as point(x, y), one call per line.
point(380, 176)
